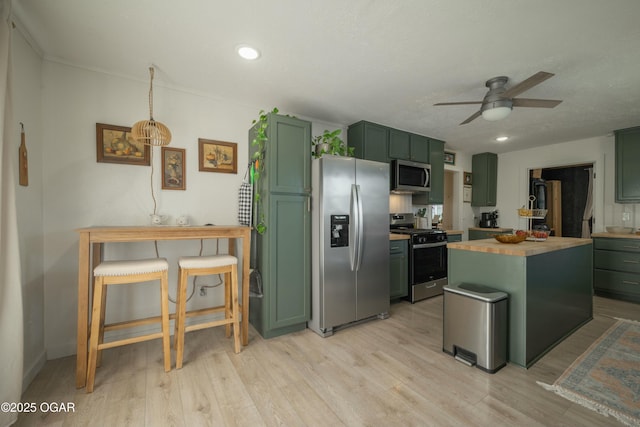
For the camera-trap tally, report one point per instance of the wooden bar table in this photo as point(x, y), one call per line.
point(90, 248)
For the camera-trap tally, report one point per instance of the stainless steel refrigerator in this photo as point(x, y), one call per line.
point(350, 242)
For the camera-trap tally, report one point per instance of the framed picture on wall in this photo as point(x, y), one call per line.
point(466, 194)
point(173, 169)
point(217, 156)
point(114, 144)
point(468, 178)
point(449, 158)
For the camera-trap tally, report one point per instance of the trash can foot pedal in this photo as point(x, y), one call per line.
point(464, 356)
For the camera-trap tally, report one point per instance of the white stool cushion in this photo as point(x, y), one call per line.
point(125, 268)
point(207, 261)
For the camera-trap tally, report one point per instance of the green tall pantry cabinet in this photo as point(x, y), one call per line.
point(283, 252)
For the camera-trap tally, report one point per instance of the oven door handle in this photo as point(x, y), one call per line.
point(429, 245)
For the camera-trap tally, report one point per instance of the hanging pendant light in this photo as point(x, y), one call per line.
point(150, 132)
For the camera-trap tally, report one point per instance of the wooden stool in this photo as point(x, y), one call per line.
point(122, 272)
point(205, 266)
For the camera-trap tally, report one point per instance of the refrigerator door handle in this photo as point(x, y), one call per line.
point(360, 228)
point(353, 234)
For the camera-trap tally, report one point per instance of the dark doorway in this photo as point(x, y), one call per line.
point(574, 189)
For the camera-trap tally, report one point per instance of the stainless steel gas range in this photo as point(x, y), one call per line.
point(427, 257)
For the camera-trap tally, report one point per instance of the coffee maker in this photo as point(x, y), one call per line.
point(489, 220)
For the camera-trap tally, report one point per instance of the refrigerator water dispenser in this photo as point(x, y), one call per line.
point(339, 231)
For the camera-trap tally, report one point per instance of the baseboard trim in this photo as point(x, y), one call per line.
point(33, 370)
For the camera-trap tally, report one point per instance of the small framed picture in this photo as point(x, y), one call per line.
point(114, 144)
point(449, 158)
point(173, 169)
point(217, 156)
point(468, 178)
point(466, 194)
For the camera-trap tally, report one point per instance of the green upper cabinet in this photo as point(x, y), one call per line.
point(399, 144)
point(436, 159)
point(627, 170)
point(485, 179)
point(408, 146)
point(384, 144)
point(370, 140)
point(420, 148)
point(288, 171)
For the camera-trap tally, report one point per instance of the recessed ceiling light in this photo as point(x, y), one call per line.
point(502, 138)
point(248, 52)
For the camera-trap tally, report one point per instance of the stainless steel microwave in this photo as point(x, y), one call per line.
point(410, 177)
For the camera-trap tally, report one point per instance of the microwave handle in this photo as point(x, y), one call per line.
point(426, 177)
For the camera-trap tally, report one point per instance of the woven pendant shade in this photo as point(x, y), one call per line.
point(150, 132)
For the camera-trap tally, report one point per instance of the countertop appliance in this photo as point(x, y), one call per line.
point(410, 177)
point(489, 220)
point(350, 242)
point(427, 257)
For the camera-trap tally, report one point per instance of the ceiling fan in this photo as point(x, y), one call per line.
point(499, 101)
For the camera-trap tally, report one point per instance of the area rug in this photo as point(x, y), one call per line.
point(606, 377)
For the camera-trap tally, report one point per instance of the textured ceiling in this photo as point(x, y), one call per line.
point(384, 61)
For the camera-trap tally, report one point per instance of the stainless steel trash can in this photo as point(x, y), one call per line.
point(475, 325)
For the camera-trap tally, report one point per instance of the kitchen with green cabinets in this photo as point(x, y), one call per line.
point(283, 251)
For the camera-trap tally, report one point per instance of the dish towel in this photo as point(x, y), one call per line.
point(244, 200)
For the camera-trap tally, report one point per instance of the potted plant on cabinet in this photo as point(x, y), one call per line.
point(330, 143)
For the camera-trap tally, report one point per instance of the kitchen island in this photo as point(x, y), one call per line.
point(549, 283)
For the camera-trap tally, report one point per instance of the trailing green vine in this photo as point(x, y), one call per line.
point(260, 143)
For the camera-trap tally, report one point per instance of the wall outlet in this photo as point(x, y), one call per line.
point(626, 216)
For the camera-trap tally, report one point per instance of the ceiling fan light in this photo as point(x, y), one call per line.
point(497, 113)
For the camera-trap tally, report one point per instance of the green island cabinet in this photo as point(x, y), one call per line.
point(283, 252)
point(550, 288)
point(380, 143)
point(627, 170)
point(399, 268)
point(457, 237)
point(484, 190)
point(616, 265)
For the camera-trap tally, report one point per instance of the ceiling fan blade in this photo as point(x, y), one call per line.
point(472, 117)
point(459, 103)
point(527, 84)
point(535, 103)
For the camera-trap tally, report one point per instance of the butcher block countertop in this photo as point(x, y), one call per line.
point(496, 229)
point(617, 235)
point(525, 248)
point(393, 236)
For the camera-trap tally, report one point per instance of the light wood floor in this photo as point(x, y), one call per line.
point(380, 373)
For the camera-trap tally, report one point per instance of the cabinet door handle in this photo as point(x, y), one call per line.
point(630, 261)
point(629, 282)
point(631, 247)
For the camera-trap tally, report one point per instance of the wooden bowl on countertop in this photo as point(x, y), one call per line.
point(510, 238)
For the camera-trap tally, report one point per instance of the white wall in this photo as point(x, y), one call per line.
point(513, 179)
point(27, 69)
